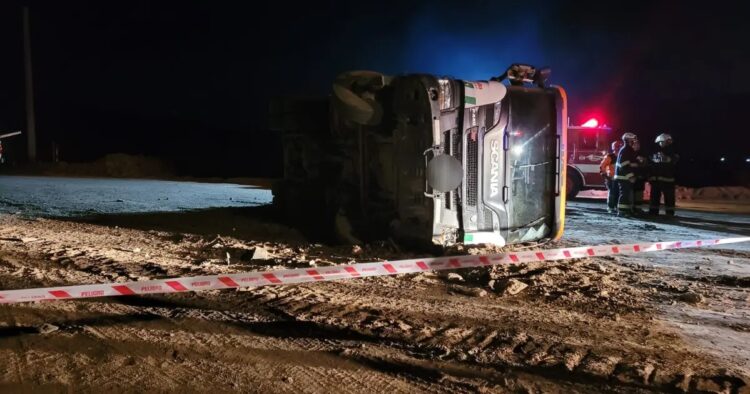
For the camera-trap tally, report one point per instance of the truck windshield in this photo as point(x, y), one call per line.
point(531, 157)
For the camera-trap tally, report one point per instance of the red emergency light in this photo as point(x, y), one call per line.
point(591, 123)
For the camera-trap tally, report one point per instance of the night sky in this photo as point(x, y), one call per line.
point(190, 81)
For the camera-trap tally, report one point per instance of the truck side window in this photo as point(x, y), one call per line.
point(587, 141)
point(601, 141)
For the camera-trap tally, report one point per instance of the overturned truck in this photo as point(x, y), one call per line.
point(420, 158)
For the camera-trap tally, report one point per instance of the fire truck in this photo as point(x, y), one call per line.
point(588, 144)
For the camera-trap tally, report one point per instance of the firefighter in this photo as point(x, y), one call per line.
point(663, 163)
point(625, 175)
point(607, 171)
point(641, 174)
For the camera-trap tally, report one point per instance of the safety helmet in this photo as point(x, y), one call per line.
point(616, 145)
point(663, 137)
point(628, 137)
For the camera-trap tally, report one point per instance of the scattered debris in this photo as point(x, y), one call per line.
point(510, 287)
point(356, 250)
point(469, 291)
point(260, 253)
point(453, 277)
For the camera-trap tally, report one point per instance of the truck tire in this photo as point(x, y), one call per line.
point(573, 184)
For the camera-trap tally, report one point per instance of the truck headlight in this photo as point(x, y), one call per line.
point(446, 94)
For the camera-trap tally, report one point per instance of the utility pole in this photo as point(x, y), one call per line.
point(30, 120)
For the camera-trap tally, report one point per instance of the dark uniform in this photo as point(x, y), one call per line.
point(661, 177)
point(639, 186)
point(625, 177)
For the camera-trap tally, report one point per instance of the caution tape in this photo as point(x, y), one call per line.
point(360, 270)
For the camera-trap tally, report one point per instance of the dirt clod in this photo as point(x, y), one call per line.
point(709, 385)
point(47, 328)
point(510, 287)
point(691, 297)
point(600, 366)
point(638, 373)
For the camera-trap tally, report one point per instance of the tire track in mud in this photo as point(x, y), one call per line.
point(439, 337)
point(16, 363)
point(195, 349)
point(180, 315)
point(519, 346)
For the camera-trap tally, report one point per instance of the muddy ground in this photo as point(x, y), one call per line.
point(619, 324)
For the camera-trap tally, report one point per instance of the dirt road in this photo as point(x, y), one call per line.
point(625, 324)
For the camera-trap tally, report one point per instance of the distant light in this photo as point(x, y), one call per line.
point(723, 159)
point(747, 160)
point(517, 150)
point(591, 123)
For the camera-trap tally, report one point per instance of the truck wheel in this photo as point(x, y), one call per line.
point(572, 185)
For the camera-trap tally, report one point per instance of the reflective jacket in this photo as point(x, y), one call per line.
point(627, 163)
point(663, 163)
point(607, 167)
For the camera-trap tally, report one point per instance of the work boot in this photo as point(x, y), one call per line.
point(612, 211)
point(653, 212)
point(624, 214)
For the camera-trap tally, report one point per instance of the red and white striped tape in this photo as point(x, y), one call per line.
point(302, 275)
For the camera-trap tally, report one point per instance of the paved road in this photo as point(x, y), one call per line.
point(65, 197)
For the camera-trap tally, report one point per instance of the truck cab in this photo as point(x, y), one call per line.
point(425, 158)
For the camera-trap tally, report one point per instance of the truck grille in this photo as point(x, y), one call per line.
point(456, 145)
point(457, 153)
point(448, 137)
point(472, 168)
point(452, 145)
